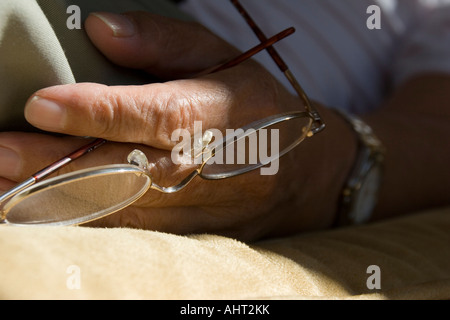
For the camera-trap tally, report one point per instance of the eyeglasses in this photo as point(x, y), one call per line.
point(86, 195)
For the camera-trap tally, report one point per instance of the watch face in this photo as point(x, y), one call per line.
point(366, 197)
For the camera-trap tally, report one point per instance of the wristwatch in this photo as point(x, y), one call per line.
point(360, 192)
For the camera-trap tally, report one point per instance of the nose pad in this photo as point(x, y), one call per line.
point(138, 158)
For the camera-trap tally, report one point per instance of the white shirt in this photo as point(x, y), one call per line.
point(337, 58)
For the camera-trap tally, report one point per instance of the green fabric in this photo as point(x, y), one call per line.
point(37, 50)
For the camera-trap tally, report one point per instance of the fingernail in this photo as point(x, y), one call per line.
point(9, 163)
point(120, 25)
point(45, 114)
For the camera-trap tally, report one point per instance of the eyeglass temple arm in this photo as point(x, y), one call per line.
point(282, 66)
point(248, 54)
point(51, 169)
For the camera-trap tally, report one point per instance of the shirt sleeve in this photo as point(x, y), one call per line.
point(425, 47)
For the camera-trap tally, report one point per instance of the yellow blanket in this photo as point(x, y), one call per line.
point(412, 255)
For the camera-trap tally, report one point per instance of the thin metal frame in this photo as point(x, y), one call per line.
point(78, 176)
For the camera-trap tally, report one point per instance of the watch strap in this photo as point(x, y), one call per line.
point(370, 154)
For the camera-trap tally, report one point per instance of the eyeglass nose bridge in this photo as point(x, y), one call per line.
point(138, 158)
point(178, 187)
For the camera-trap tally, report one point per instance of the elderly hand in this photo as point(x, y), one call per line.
point(144, 117)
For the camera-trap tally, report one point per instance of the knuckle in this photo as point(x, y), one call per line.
point(172, 111)
point(104, 116)
point(114, 117)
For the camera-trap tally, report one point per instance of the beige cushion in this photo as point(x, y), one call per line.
point(413, 255)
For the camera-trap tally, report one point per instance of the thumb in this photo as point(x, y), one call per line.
point(162, 46)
